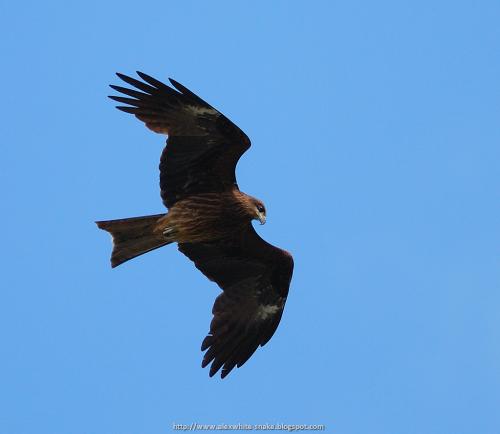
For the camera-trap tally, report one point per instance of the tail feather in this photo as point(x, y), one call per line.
point(133, 237)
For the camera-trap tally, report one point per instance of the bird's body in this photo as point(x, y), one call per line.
point(198, 218)
point(209, 217)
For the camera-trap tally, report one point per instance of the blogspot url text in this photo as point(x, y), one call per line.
point(247, 427)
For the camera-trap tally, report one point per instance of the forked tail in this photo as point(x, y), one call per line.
point(133, 237)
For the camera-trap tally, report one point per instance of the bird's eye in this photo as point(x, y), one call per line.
point(260, 208)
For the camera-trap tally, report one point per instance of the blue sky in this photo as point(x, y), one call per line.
point(375, 131)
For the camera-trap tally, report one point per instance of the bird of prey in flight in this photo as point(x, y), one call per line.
point(208, 217)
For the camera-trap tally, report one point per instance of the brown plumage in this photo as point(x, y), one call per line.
point(209, 217)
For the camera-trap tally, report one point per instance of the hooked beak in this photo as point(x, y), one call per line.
point(262, 218)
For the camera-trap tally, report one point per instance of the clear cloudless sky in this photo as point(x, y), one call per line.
point(376, 132)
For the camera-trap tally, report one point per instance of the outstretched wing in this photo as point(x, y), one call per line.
point(203, 146)
point(255, 277)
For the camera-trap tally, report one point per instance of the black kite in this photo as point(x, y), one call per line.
point(209, 217)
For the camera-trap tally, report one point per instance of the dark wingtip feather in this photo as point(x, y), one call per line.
point(180, 87)
point(206, 342)
point(131, 101)
point(147, 78)
point(124, 77)
point(225, 371)
point(136, 83)
point(216, 365)
point(127, 109)
point(186, 92)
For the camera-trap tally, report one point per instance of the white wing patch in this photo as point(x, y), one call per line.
point(202, 111)
point(267, 310)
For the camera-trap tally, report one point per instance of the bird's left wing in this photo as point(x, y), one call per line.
point(203, 145)
point(255, 277)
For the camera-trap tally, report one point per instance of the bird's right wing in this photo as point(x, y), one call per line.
point(255, 277)
point(203, 146)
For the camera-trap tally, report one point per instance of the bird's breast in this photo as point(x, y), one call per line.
point(205, 217)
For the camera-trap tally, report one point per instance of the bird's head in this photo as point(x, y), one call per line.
point(259, 210)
